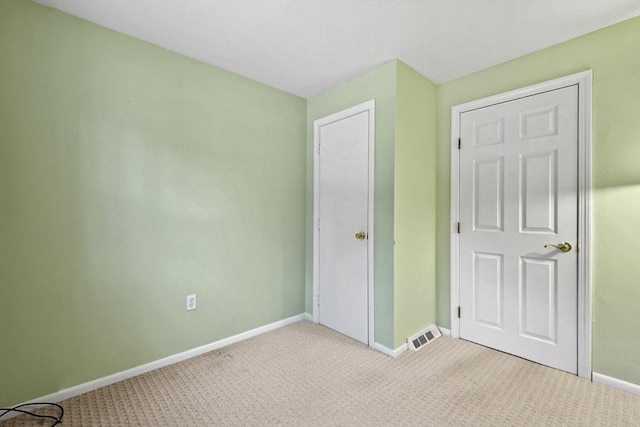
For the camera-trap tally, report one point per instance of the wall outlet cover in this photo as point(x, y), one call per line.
point(191, 302)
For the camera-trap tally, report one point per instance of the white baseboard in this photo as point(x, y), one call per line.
point(445, 331)
point(376, 346)
point(389, 352)
point(616, 383)
point(169, 360)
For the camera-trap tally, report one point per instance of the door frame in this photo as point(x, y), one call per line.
point(368, 106)
point(583, 245)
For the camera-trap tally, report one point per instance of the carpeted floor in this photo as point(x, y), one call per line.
point(305, 374)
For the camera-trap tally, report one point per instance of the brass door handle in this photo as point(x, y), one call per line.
point(564, 246)
point(361, 235)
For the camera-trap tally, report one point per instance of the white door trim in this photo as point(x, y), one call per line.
point(583, 80)
point(365, 106)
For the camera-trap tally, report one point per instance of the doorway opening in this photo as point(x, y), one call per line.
point(486, 259)
point(343, 222)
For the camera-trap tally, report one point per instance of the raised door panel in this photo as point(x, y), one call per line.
point(488, 194)
point(539, 192)
point(488, 289)
point(538, 299)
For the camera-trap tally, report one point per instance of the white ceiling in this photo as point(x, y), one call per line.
point(307, 46)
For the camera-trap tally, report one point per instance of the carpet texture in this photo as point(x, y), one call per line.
point(305, 374)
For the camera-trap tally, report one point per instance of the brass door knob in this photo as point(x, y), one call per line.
point(361, 235)
point(564, 246)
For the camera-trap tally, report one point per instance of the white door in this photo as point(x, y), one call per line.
point(342, 221)
point(518, 194)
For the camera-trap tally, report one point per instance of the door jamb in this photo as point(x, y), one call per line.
point(584, 321)
point(368, 106)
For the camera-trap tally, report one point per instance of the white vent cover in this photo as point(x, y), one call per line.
point(419, 340)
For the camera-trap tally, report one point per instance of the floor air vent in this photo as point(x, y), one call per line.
point(423, 338)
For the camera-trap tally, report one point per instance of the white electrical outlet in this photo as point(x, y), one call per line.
point(191, 302)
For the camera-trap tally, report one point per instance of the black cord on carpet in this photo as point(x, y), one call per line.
point(57, 420)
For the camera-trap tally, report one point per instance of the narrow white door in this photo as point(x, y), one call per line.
point(518, 195)
point(342, 221)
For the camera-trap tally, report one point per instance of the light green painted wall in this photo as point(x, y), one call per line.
point(414, 204)
point(379, 84)
point(130, 177)
point(613, 55)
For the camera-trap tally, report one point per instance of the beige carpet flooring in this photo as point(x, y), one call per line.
point(305, 374)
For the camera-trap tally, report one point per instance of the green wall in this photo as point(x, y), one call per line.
point(130, 177)
point(414, 204)
point(613, 54)
point(379, 84)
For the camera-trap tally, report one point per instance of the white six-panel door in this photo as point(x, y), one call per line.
point(343, 221)
point(518, 193)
